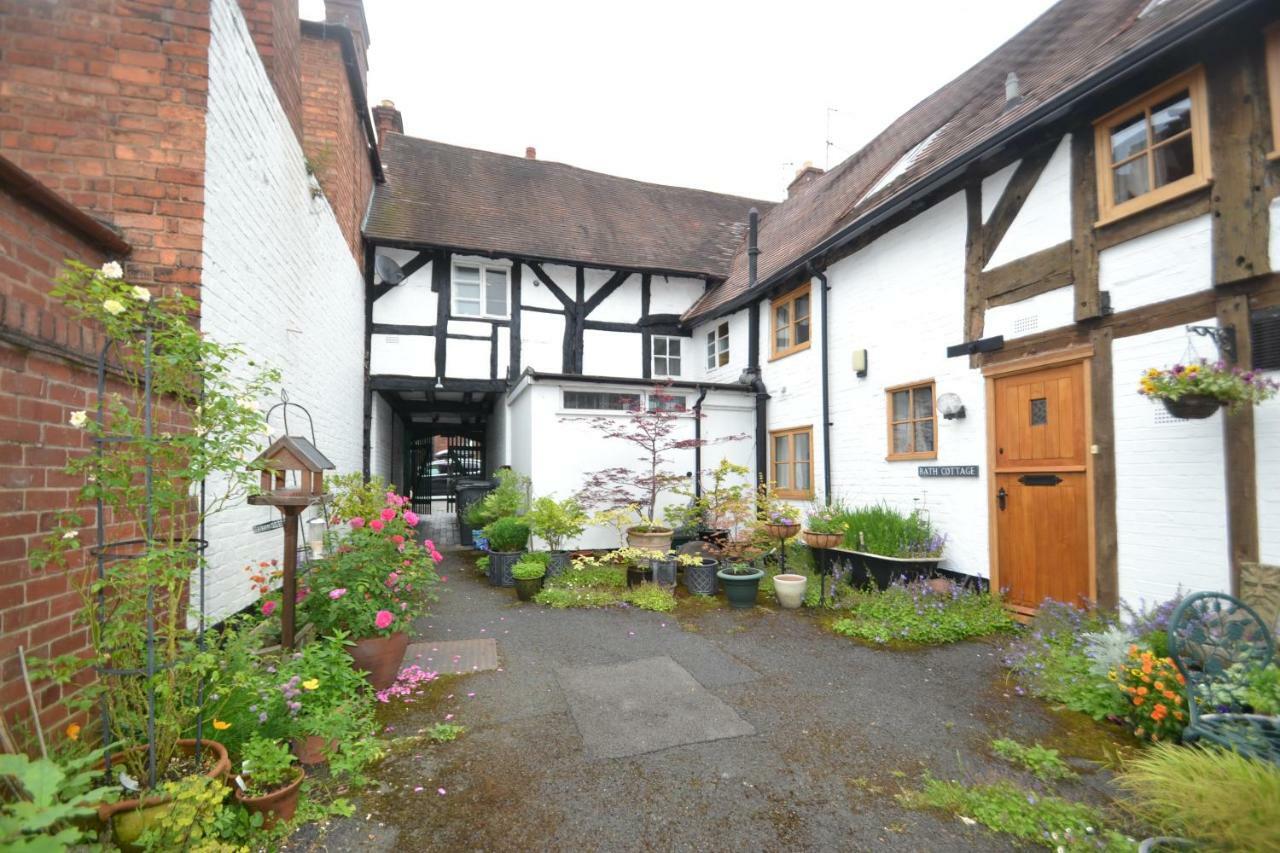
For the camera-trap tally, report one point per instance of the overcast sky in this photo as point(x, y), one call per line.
point(726, 96)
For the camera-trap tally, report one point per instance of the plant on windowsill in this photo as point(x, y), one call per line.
point(507, 537)
point(1197, 390)
point(527, 575)
point(268, 783)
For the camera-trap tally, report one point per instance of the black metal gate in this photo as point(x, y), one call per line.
point(435, 469)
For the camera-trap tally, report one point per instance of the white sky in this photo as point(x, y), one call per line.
point(725, 96)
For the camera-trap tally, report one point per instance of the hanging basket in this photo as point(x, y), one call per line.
point(1192, 406)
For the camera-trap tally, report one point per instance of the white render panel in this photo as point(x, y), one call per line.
point(411, 302)
point(402, 355)
point(467, 360)
point(1275, 233)
point(1171, 505)
point(902, 299)
point(1045, 217)
point(611, 353)
point(469, 327)
point(278, 278)
point(993, 186)
point(673, 295)
point(520, 433)
point(534, 292)
point(1266, 425)
point(497, 440)
point(1043, 311)
point(621, 306)
point(1162, 265)
point(542, 341)
point(381, 441)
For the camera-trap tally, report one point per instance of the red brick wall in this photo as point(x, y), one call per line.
point(277, 35)
point(334, 137)
point(104, 101)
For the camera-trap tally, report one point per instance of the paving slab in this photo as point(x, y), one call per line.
point(454, 656)
point(644, 706)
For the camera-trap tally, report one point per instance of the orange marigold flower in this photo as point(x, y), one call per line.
point(1142, 691)
point(1169, 694)
point(1159, 685)
point(1138, 700)
point(1159, 712)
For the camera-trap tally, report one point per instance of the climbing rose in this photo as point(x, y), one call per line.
point(356, 522)
point(398, 539)
point(112, 269)
point(113, 306)
point(437, 556)
point(388, 514)
point(376, 525)
point(141, 294)
point(384, 619)
point(335, 594)
point(411, 518)
point(268, 607)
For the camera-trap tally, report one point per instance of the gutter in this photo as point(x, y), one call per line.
point(338, 32)
point(1047, 113)
point(821, 276)
point(537, 375)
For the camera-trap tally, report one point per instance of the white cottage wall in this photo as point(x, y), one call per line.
point(739, 329)
point(794, 383)
point(278, 278)
point(1045, 217)
point(1266, 424)
point(1044, 311)
point(1173, 261)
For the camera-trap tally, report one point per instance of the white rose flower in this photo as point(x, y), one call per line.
point(141, 293)
point(78, 419)
point(112, 269)
point(113, 307)
point(71, 534)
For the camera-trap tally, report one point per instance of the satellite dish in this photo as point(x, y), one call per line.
point(388, 270)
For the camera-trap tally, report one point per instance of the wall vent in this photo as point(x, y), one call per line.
point(392, 339)
point(1022, 325)
point(1163, 417)
point(1264, 334)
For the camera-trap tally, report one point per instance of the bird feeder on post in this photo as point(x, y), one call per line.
point(292, 480)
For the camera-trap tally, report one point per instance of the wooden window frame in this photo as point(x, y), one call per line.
point(788, 298)
point(1202, 172)
point(485, 267)
point(1272, 34)
point(791, 494)
point(893, 456)
point(713, 346)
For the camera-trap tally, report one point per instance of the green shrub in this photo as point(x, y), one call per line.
point(1263, 691)
point(585, 577)
point(266, 764)
point(1004, 807)
point(914, 613)
point(510, 497)
point(507, 534)
point(1051, 659)
point(649, 596)
point(1217, 797)
point(1046, 764)
point(562, 597)
point(527, 570)
point(482, 564)
point(59, 801)
point(881, 529)
point(555, 522)
point(542, 558)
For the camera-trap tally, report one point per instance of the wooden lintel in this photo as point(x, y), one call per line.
point(1152, 219)
point(1039, 272)
point(399, 329)
point(1015, 194)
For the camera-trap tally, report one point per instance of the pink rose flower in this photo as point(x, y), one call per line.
point(428, 544)
point(411, 518)
point(268, 607)
point(376, 526)
point(398, 539)
point(437, 556)
point(356, 523)
point(388, 514)
point(392, 579)
point(335, 594)
point(408, 562)
point(383, 619)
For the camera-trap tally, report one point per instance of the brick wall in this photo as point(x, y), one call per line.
point(274, 27)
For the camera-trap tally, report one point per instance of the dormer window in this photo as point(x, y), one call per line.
point(1154, 148)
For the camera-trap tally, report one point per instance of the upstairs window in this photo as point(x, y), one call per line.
point(666, 356)
point(718, 346)
point(912, 423)
point(790, 322)
point(1154, 148)
point(480, 290)
point(1273, 85)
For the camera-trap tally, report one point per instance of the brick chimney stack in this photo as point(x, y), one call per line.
point(806, 175)
point(387, 119)
point(531, 153)
point(350, 14)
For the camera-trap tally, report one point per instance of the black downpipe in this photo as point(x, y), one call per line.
point(697, 438)
point(753, 352)
point(826, 387)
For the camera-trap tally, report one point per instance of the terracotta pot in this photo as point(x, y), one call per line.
point(782, 531)
point(279, 805)
point(1192, 406)
point(789, 590)
point(313, 749)
point(822, 540)
point(657, 539)
point(128, 819)
point(380, 658)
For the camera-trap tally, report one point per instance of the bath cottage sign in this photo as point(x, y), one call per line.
point(948, 470)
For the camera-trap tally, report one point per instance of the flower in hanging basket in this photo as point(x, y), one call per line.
point(1205, 380)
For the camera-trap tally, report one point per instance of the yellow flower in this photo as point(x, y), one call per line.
point(220, 725)
point(311, 683)
point(73, 731)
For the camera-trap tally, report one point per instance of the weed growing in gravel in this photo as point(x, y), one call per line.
point(649, 596)
point(445, 732)
point(561, 597)
point(1046, 764)
point(914, 613)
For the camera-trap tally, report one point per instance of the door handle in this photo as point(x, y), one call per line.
point(1001, 497)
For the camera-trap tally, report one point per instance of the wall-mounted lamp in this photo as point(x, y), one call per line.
point(860, 363)
point(951, 407)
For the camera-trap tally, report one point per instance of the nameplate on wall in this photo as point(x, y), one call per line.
point(948, 470)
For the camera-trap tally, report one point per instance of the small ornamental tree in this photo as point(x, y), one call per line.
point(652, 432)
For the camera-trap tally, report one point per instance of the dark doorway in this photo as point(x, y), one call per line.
point(436, 463)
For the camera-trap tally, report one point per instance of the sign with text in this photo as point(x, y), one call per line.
point(948, 470)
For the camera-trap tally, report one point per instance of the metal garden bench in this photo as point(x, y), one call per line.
point(1212, 637)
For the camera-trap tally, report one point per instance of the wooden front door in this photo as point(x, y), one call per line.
point(1041, 489)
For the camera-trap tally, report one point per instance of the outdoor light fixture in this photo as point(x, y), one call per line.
point(860, 363)
point(951, 406)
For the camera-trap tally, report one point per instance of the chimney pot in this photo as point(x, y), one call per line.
point(1012, 90)
point(387, 119)
point(531, 153)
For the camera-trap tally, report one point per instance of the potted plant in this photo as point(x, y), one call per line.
point(741, 584)
point(178, 409)
point(268, 783)
point(372, 585)
point(825, 526)
point(320, 698)
point(507, 537)
point(789, 589)
point(714, 513)
point(556, 522)
point(509, 497)
point(1199, 389)
point(886, 544)
point(527, 575)
point(700, 574)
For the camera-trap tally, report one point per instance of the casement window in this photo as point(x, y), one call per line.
point(791, 462)
point(480, 290)
point(602, 401)
point(1154, 148)
point(666, 356)
point(790, 322)
point(668, 403)
point(718, 346)
point(1273, 85)
point(912, 422)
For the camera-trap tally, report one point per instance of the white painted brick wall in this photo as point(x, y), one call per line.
point(1038, 314)
point(1045, 217)
point(278, 278)
point(1164, 264)
point(1266, 424)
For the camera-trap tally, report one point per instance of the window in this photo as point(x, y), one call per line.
point(790, 322)
point(480, 290)
point(668, 403)
point(718, 346)
point(604, 401)
point(1154, 148)
point(1273, 85)
point(666, 356)
point(912, 422)
point(792, 465)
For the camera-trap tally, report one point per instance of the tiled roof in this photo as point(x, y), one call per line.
point(444, 195)
point(1071, 42)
